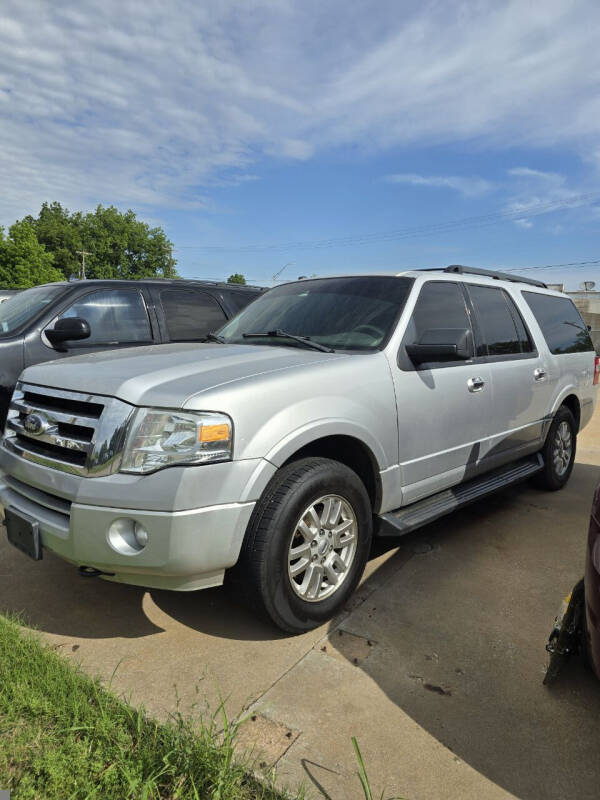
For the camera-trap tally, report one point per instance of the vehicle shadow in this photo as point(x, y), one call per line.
point(50, 596)
point(460, 633)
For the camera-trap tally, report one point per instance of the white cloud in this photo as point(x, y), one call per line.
point(537, 176)
point(541, 193)
point(295, 149)
point(147, 103)
point(465, 185)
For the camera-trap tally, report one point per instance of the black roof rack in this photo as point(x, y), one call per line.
point(490, 273)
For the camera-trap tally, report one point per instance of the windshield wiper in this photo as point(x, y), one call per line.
point(279, 334)
point(214, 337)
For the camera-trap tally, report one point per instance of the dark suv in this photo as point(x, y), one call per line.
point(62, 319)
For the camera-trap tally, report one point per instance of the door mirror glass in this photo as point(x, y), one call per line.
point(441, 344)
point(67, 329)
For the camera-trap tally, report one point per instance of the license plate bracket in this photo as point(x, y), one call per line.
point(23, 532)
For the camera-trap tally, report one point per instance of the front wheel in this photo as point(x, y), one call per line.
point(307, 543)
point(558, 452)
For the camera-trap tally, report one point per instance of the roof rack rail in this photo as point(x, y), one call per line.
point(490, 273)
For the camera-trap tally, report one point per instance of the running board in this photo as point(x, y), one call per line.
point(409, 518)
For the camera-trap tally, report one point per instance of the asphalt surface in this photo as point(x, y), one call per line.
point(436, 667)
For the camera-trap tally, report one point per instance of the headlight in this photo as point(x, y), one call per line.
point(159, 438)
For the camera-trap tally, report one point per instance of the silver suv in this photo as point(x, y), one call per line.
point(326, 412)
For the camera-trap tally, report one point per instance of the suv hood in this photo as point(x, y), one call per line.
point(167, 375)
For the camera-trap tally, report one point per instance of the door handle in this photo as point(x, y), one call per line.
point(539, 374)
point(475, 384)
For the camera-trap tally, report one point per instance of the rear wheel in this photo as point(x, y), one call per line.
point(307, 543)
point(558, 452)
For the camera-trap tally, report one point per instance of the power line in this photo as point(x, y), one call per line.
point(515, 215)
point(571, 264)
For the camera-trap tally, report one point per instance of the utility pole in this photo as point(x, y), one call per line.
point(277, 274)
point(83, 254)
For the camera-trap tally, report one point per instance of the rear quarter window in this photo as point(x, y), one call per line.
point(561, 323)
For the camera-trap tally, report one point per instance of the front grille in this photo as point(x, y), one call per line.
point(70, 431)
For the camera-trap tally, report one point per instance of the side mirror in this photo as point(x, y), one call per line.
point(442, 344)
point(67, 329)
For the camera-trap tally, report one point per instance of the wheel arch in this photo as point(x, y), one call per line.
point(352, 452)
point(571, 401)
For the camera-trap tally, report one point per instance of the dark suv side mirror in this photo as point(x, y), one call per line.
point(67, 329)
point(441, 344)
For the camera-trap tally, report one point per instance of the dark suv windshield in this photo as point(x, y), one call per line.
point(341, 313)
point(19, 309)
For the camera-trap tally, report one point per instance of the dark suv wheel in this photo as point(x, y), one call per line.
point(558, 451)
point(307, 543)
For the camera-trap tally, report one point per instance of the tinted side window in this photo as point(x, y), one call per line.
point(190, 315)
point(441, 304)
point(527, 345)
point(115, 316)
point(561, 323)
point(495, 320)
point(240, 300)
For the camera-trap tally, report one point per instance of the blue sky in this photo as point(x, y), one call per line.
point(339, 136)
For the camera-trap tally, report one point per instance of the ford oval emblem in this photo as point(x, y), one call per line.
point(36, 424)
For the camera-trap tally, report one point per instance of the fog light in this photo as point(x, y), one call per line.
point(141, 534)
point(127, 536)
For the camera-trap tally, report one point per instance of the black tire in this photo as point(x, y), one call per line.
point(552, 478)
point(262, 570)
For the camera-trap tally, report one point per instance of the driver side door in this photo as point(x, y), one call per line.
point(118, 317)
point(442, 406)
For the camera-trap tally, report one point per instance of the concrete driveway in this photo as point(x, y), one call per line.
point(436, 666)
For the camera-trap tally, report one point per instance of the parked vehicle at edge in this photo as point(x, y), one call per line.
point(5, 294)
point(328, 411)
point(65, 319)
point(577, 626)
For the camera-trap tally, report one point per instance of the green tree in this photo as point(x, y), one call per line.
point(61, 233)
point(119, 244)
point(24, 262)
point(237, 277)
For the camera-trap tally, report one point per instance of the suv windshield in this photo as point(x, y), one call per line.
point(19, 309)
point(340, 313)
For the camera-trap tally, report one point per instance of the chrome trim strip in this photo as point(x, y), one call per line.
point(62, 394)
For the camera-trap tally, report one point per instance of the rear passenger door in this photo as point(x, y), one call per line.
point(188, 315)
point(443, 407)
point(520, 381)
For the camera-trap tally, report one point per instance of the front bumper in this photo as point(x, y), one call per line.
point(186, 550)
point(188, 547)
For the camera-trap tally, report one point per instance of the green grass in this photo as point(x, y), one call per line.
point(64, 736)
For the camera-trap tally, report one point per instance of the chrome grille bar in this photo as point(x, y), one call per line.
point(52, 436)
point(23, 407)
